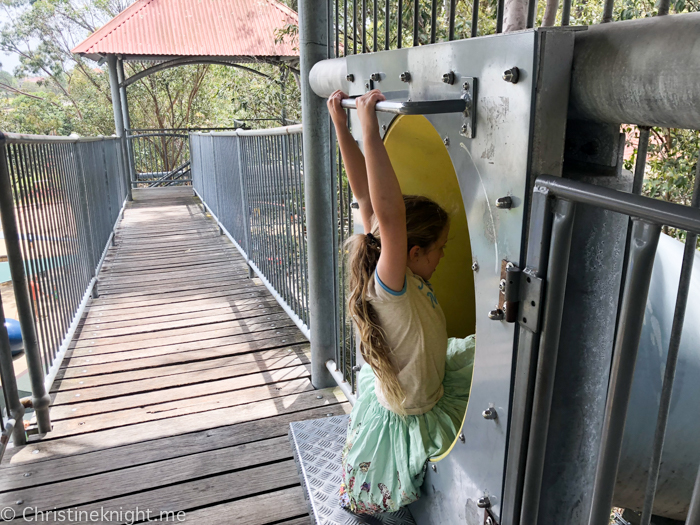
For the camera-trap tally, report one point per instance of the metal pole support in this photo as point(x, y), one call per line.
point(131, 164)
point(15, 409)
point(40, 398)
point(119, 118)
point(645, 238)
point(318, 192)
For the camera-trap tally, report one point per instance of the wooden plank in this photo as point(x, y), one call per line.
point(196, 284)
point(257, 510)
point(180, 353)
point(251, 288)
point(220, 273)
point(178, 425)
point(243, 364)
point(83, 395)
point(182, 321)
point(190, 495)
point(197, 400)
point(176, 308)
point(85, 462)
point(93, 340)
point(117, 483)
point(244, 289)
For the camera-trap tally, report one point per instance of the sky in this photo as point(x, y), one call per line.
point(9, 61)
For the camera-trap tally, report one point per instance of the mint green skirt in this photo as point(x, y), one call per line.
point(385, 456)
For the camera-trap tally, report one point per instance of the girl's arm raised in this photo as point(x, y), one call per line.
point(353, 158)
point(385, 194)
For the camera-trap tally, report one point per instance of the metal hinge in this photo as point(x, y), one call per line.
point(522, 293)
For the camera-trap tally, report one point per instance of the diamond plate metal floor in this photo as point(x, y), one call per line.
point(317, 445)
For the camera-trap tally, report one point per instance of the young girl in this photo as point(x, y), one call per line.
point(414, 391)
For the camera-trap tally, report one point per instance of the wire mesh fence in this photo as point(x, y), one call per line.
point(67, 195)
point(253, 183)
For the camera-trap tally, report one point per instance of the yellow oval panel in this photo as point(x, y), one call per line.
point(424, 167)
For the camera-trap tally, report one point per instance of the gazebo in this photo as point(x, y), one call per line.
point(172, 33)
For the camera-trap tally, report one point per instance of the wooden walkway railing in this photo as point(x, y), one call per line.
point(177, 392)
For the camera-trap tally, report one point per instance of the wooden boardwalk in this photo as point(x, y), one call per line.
point(177, 392)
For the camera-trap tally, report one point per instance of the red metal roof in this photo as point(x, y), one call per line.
point(163, 28)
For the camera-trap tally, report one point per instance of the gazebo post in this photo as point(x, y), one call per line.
point(118, 115)
point(127, 120)
point(319, 194)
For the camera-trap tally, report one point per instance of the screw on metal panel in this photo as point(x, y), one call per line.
point(490, 413)
point(489, 521)
point(434, 467)
point(350, 77)
point(502, 285)
point(449, 78)
point(405, 76)
point(319, 397)
point(383, 127)
point(461, 437)
point(366, 85)
point(496, 315)
point(475, 266)
point(446, 141)
point(511, 75)
point(466, 86)
point(463, 129)
point(505, 203)
point(376, 77)
point(484, 502)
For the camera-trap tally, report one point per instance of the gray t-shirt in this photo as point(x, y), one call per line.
point(415, 329)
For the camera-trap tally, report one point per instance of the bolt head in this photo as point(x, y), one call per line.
point(475, 266)
point(383, 127)
point(502, 285)
point(434, 467)
point(463, 129)
point(496, 315)
point(19, 501)
point(376, 77)
point(504, 203)
point(490, 413)
point(466, 86)
point(446, 141)
point(449, 78)
point(319, 397)
point(489, 521)
point(366, 85)
point(461, 437)
point(484, 502)
point(350, 77)
point(405, 76)
point(511, 75)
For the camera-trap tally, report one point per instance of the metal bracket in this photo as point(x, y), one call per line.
point(469, 96)
point(531, 293)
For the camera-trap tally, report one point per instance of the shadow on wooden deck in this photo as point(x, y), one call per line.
point(177, 391)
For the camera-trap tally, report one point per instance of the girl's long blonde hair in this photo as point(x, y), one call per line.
point(425, 222)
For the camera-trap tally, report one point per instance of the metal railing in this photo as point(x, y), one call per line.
point(60, 199)
point(551, 229)
point(252, 182)
point(161, 157)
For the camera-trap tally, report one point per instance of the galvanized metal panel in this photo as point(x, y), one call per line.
point(493, 164)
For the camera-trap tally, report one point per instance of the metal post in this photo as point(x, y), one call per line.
point(313, 47)
point(558, 267)
point(131, 165)
point(15, 409)
point(40, 398)
point(645, 238)
point(118, 115)
point(671, 361)
point(608, 11)
point(693, 517)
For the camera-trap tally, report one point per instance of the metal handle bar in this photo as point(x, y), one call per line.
point(418, 107)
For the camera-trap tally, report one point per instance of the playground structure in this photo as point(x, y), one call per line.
point(554, 262)
point(520, 115)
